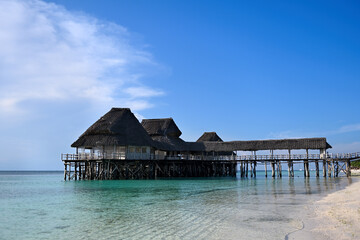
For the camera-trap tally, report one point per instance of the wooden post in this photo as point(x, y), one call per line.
point(317, 168)
point(251, 169)
point(155, 171)
point(323, 157)
point(69, 175)
point(337, 169)
point(80, 171)
point(348, 168)
point(273, 169)
point(65, 170)
point(272, 163)
point(108, 170)
point(306, 163)
point(91, 170)
point(265, 164)
point(289, 164)
point(75, 170)
point(247, 168)
point(280, 169)
point(255, 169)
point(329, 169)
point(255, 164)
point(241, 169)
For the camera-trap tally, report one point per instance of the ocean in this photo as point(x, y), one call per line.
point(40, 205)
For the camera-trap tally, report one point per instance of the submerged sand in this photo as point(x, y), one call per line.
point(336, 216)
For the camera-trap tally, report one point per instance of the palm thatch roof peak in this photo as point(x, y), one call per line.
point(209, 136)
point(119, 126)
point(161, 127)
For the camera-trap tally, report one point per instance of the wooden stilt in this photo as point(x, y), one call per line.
point(289, 168)
point(254, 169)
point(348, 168)
point(317, 168)
point(247, 168)
point(289, 164)
point(324, 168)
point(241, 169)
point(69, 175)
point(75, 171)
point(273, 169)
point(307, 169)
point(65, 170)
point(80, 171)
point(337, 168)
point(280, 169)
point(265, 164)
point(306, 165)
point(329, 168)
point(251, 169)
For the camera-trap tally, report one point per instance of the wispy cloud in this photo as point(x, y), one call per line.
point(141, 92)
point(348, 128)
point(59, 72)
point(50, 54)
point(294, 134)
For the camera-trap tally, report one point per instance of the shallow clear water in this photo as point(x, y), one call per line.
point(39, 205)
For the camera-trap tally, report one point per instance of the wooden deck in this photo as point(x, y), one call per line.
point(120, 166)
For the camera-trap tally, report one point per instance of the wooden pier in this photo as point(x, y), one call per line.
point(118, 146)
point(98, 167)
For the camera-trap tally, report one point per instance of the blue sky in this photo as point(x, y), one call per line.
point(246, 69)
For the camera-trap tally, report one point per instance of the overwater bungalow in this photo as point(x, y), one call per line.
point(116, 135)
point(118, 146)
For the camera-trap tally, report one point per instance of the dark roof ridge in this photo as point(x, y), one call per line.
point(118, 108)
point(155, 119)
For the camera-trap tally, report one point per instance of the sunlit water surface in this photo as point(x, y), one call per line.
point(40, 205)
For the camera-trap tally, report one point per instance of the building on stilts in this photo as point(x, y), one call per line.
point(118, 146)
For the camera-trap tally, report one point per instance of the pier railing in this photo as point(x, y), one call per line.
point(146, 156)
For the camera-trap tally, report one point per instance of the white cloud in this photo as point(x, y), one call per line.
point(292, 134)
point(137, 105)
point(59, 72)
point(287, 134)
point(50, 54)
point(348, 128)
point(138, 92)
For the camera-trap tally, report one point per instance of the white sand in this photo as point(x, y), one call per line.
point(337, 216)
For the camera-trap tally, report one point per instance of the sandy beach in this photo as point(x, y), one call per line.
point(336, 216)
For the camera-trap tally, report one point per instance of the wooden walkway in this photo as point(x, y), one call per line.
point(117, 166)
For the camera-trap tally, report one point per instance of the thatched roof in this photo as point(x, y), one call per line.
point(165, 134)
point(120, 127)
point(209, 136)
point(117, 127)
point(281, 144)
point(167, 143)
point(161, 127)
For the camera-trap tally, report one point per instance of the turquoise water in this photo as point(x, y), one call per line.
point(40, 205)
